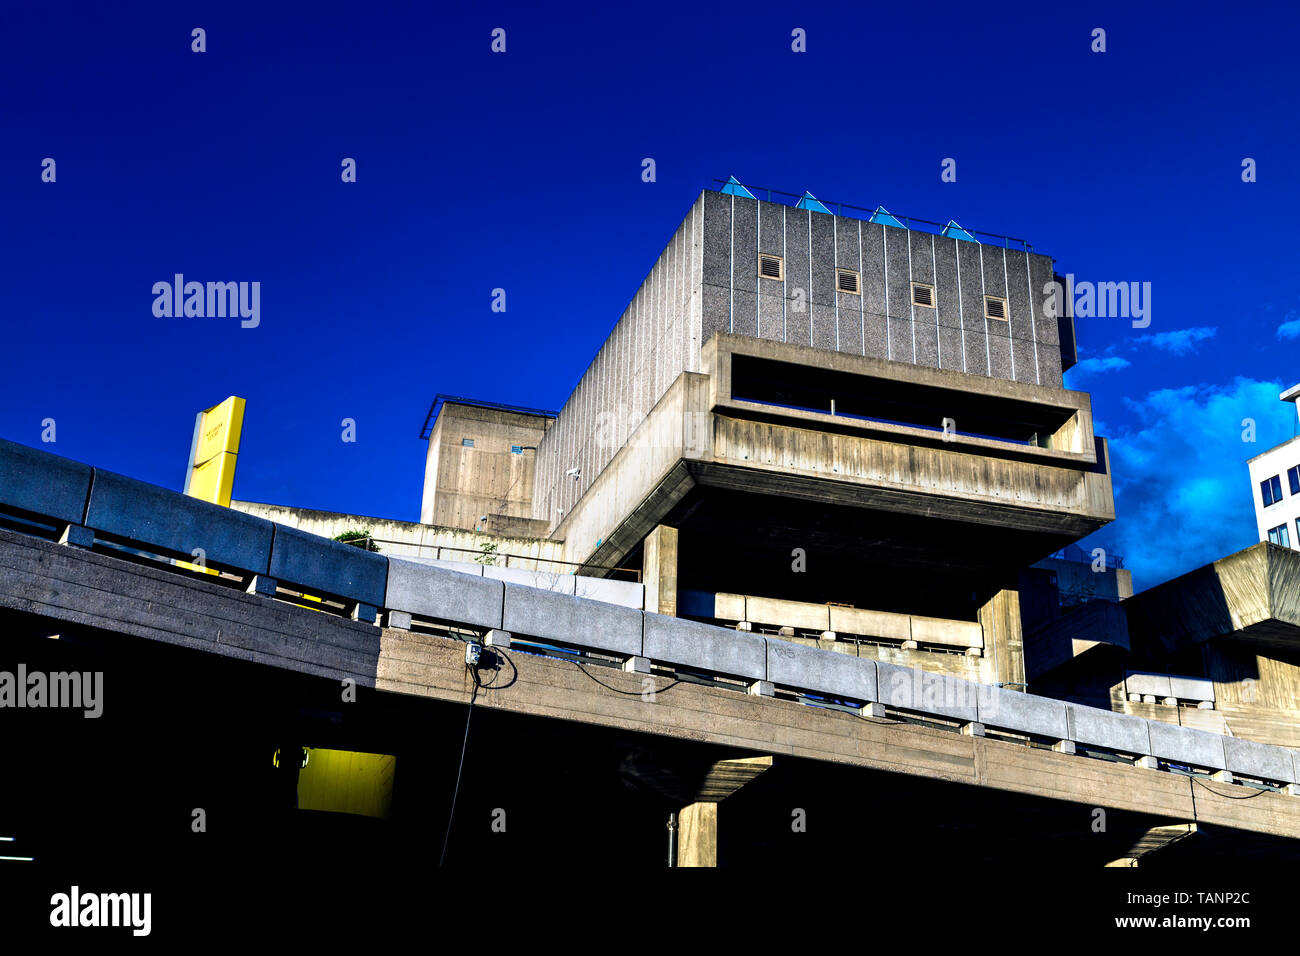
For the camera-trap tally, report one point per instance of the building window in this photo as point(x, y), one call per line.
point(1293, 476)
point(771, 267)
point(923, 294)
point(1279, 535)
point(995, 308)
point(467, 443)
point(1270, 489)
point(846, 280)
point(516, 449)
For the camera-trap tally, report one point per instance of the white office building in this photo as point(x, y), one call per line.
point(1275, 478)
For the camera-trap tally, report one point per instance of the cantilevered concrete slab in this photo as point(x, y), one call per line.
point(1251, 598)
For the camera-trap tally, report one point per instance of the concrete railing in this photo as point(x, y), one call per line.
point(1168, 689)
point(85, 504)
point(831, 621)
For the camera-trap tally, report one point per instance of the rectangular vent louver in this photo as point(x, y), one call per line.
point(771, 267)
point(923, 295)
point(846, 281)
point(995, 308)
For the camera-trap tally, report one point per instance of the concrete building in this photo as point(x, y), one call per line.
point(824, 410)
point(775, 549)
point(479, 467)
point(1275, 478)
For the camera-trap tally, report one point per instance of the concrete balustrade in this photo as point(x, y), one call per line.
point(170, 523)
point(774, 613)
point(1023, 713)
point(1122, 733)
point(1183, 745)
point(332, 567)
point(726, 607)
point(1262, 761)
point(815, 671)
point(1152, 685)
point(1191, 688)
point(910, 688)
point(429, 591)
point(880, 624)
point(937, 630)
point(42, 484)
point(717, 650)
point(576, 621)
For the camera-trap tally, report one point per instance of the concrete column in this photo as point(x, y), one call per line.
point(697, 835)
point(1003, 642)
point(660, 571)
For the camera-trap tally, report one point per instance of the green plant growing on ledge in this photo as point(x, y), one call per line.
point(489, 555)
point(358, 538)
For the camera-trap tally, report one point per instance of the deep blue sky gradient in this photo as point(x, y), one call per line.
point(522, 171)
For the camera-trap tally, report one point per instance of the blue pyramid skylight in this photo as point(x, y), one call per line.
point(734, 188)
point(809, 201)
point(954, 231)
point(885, 218)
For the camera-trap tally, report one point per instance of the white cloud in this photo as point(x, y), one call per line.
point(1179, 341)
point(1182, 489)
point(1289, 330)
point(1095, 366)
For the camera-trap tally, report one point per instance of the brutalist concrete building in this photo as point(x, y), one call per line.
point(822, 409)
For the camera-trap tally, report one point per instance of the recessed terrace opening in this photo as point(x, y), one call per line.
point(890, 401)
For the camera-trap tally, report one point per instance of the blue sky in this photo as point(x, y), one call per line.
point(522, 171)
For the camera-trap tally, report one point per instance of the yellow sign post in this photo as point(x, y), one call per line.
point(213, 452)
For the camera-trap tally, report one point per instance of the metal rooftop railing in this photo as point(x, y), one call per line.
point(440, 399)
point(862, 212)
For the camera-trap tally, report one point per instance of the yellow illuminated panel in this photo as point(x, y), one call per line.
point(216, 447)
point(344, 781)
point(211, 477)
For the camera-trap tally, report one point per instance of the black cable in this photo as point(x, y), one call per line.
point(628, 693)
point(1228, 796)
point(463, 747)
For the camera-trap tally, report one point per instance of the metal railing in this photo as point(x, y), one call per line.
point(862, 212)
point(489, 558)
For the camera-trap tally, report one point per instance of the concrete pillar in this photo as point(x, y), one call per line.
point(1003, 642)
point(697, 835)
point(659, 571)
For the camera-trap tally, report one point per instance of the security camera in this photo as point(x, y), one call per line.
point(482, 518)
point(574, 473)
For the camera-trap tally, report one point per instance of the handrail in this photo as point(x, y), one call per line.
point(479, 553)
point(841, 207)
